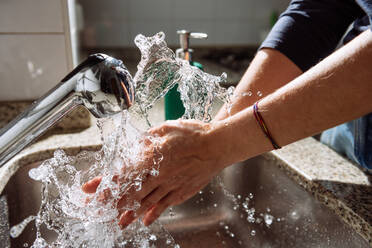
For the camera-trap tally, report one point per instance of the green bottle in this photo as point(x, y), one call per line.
point(172, 101)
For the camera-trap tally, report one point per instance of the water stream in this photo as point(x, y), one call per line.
point(82, 220)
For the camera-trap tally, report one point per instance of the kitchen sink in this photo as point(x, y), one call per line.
point(250, 204)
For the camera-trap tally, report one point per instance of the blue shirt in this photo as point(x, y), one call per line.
point(310, 30)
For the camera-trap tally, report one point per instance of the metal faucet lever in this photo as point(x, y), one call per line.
point(185, 52)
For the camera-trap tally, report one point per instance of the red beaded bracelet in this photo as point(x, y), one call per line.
point(263, 126)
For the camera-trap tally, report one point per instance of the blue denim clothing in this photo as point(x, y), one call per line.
point(352, 139)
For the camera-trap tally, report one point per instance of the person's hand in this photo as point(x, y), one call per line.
point(191, 156)
point(189, 163)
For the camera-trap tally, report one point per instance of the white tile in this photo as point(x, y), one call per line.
point(149, 28)
point(150, 9)
point(31, 16)
point(264, 8)
point(30, 65)
point(252, 32)
point(279, 5)
point(234, 9)
point(98, 10)
point(237, 33)
point(108, 33)
point(193, 9)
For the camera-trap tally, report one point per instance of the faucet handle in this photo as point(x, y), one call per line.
point(197, 35)
point(185, 36)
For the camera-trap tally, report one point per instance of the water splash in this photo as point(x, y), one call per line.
point(16, 230)
point(83, 220)
point(90, 220)
point(159, 70)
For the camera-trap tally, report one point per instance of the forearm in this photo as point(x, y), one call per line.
point(336, 90)
point(268, 71)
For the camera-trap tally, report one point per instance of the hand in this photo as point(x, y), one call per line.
point(189, 163)
point(192, 156)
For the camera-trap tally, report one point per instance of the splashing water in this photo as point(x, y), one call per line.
point(16, 230)
point(159, 70)
point(90, 220)
point(82, 220)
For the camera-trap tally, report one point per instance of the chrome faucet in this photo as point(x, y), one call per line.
point(101, 83)
point(185, 52)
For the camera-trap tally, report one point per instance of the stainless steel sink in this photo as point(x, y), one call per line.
point(213, 218)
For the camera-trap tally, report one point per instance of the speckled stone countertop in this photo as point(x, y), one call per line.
point(75, 121)
point(333, 180)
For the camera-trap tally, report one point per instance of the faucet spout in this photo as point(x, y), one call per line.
point(101, 83)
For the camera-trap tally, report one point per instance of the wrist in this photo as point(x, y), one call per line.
point(220, 137)
point(238, 137)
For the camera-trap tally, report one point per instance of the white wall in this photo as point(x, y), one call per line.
point(114, 23)
point(35, 49)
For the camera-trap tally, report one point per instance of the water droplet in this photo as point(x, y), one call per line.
point(294, 215)
point(259, 93)
point(154, 172)
point(138, 185)
point(268, 219)
point(16, 230)
point(248, 93)
point(215, 205)
point(250, 219)
point(152, 237)
point(171, 212)
point(253, 232)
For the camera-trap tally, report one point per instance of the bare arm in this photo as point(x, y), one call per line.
point(268, 71)
point(336, 90)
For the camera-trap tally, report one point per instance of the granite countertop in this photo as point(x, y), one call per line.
point(332, 179)
point(75, 121)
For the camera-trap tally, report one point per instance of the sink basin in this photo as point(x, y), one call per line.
point(250, 204)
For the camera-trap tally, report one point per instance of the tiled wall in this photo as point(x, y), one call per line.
point(34, 52)
point(114, 23)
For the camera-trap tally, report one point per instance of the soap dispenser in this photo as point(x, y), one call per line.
point(173, 105)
